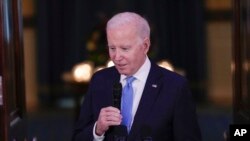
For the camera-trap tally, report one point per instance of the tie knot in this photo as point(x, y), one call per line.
point(130, 79)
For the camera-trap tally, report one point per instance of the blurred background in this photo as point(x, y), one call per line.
point(194, 37)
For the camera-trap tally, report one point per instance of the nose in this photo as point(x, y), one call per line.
point(117, 56)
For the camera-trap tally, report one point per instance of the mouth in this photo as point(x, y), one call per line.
point(120, 66)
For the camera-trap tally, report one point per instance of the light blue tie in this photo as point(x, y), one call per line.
point(127, 103)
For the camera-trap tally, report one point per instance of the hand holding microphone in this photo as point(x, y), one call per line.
point(110, 116)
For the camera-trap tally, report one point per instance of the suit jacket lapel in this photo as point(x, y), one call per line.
point(148, 98)
point(114, 75)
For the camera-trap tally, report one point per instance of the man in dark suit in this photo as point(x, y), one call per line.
point(161, 107)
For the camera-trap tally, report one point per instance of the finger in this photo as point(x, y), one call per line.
point(109, 113)
point(116, 118)
point(110, 119)
point(112, 114)
point(109, 116)
point(111, 109)
point(112, 123)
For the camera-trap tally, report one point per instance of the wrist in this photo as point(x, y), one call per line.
point(98, 131)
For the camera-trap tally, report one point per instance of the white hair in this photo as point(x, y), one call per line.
point(130, 18)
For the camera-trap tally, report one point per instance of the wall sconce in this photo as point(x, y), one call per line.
point(166, 64)
point(99, 68)
point(110, 63)
point(82, 72)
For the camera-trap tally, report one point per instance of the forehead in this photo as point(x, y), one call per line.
point(124, 28)
point(122, 34)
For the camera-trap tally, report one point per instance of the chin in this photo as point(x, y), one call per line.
point(123, 72)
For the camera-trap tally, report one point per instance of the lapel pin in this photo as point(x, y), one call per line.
point(154, 85)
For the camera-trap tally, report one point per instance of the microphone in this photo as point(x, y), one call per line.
point(117, 93)
point(146, 133)
point(120, 131)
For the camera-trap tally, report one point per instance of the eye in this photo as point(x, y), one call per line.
point(112, 48)
point(125, 48)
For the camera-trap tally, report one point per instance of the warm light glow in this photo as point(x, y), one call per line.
point(246, 65)
point(110, 63)
point(165, 64)
point(99, 68)
point(232, 66)
point(82, 72)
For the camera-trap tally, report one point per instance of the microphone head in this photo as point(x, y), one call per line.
point(117, 93)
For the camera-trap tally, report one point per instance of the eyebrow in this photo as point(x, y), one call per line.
point(122, 46)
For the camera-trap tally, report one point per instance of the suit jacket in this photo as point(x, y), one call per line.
point(166, 107)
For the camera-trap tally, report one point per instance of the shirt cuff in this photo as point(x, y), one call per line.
point(96, 137)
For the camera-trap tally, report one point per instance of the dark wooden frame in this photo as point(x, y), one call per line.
point(12, 110)
point(241, 64)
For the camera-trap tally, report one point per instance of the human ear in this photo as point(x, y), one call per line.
point(146, 45)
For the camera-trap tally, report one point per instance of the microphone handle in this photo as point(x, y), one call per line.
point(120, 138)
point(147, 139)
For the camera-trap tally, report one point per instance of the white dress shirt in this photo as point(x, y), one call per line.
point(138, 86)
